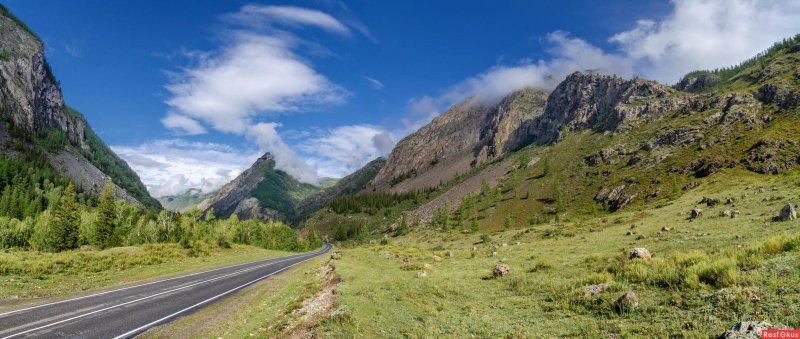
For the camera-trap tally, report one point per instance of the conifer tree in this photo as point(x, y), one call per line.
point(106, 217)
point(64, 226)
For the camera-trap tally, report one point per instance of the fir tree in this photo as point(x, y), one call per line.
point(106, 217)
point(64, 226)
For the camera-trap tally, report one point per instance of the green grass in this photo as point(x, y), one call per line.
point(27, 275)
point(705, 275)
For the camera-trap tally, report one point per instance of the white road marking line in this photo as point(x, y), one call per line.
point(155, 295)
point(147, 326)
point(125, 288)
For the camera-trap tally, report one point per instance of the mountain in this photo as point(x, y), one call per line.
point(261, 192)
point(184, 201)
point(351, 184)
point(37, 124)
point(596, 144)
point(466, 135)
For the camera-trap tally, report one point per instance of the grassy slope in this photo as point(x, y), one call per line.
point(544, 295)
point(29, 276)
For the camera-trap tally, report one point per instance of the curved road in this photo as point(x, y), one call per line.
point(126, 312)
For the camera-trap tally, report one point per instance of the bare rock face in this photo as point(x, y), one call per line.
point(771, 156)
point(28, 88)
point(466, 135)
point(615, 198)
point(602, 103)
point(86, 176)
point(505, 127)
point(697, 81)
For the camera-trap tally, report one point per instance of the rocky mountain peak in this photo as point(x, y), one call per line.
point(602, 103)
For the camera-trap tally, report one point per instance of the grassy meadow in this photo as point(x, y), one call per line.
point(705, 274)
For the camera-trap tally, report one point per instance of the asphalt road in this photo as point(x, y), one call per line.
point(126, 312)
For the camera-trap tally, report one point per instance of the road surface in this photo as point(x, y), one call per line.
point(126, 312)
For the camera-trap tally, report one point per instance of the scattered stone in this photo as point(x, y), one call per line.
point(641, 237)
point(691, 185)
point(788, 212)
point(659, 234)
point(505, 245)
point(614, 198)
point(504, 260)
point(517, 243)
point(728, 201)
point(748, 330)
point(738, 236)
point(761, 190)
point(597, 289)
point(494, 254)
point(628, 301)
point(474, 248)
point(336, 255)
point(422, 274)
point(449, 254)
point(696, 213)
point(710, 202)
point(437, 258)
point(501, 270)
point(640, 253)
point(427, 265)
point(629, 233)
point(726, 214)
point(665, 229)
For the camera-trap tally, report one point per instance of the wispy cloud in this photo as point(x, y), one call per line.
point(374, 82)
point(344, 149)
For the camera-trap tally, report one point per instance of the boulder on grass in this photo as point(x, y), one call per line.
point(627, 302)
point(788, 212)
point(696, 213)
point(422, 274)
point(748, 330)
point(596, 289)
point(640, 253)
point(501, 270)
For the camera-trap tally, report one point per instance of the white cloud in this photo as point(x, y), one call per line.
point(374, 82)
point(345, 149)
point(697, 34)
point(257, 74)
point(182, 124)
point(260, 71)
point(267, 138)
point(261, 16)
point(706, 34)
point(172, 166)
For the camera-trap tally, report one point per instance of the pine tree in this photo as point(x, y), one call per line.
point(64, 226)
point(474, 226)
point(106, 217)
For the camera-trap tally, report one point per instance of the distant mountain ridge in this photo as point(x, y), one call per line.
point(35, 119)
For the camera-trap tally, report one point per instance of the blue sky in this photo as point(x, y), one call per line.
point(191, 92)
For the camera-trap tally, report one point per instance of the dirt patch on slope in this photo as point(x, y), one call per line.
point(314, 309)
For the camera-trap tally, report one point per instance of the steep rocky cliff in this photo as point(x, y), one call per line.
point(466, 135)
point(260, 192)
point(35, 119)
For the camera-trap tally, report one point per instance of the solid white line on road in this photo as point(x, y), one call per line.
point(145, 327)
point(152, 296)
point(125, 288)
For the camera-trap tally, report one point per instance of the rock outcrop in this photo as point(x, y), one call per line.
point(466, 135)
point(32, 105)
point(260, 192)
point(602, 103)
